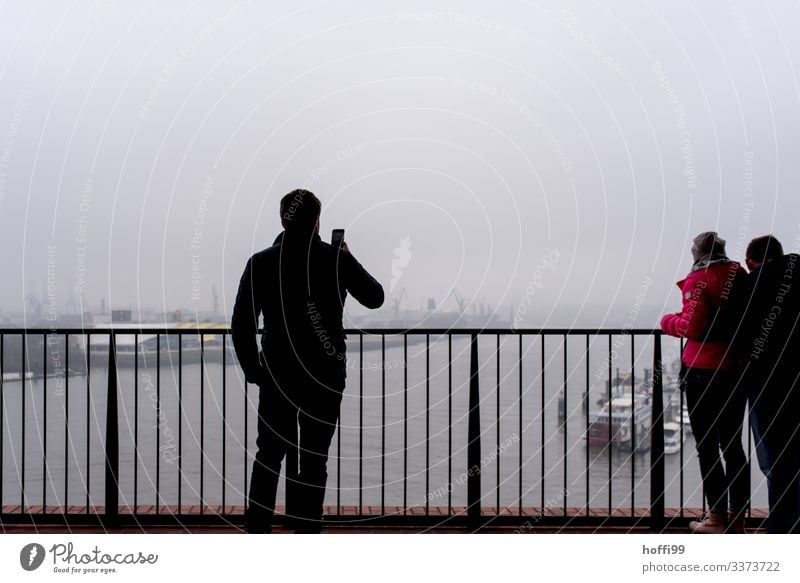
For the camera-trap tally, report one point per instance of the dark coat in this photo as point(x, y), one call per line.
point(299, 285)
point(769, 336)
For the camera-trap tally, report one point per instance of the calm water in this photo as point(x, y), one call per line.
point(413, 425)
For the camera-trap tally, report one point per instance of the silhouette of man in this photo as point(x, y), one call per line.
point(769, 340)
point(299, 285)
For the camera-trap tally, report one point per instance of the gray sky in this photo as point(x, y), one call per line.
point(557, 154)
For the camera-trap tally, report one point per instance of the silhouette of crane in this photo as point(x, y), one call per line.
point(396, 302)
point(460, 300)
point(36, 305)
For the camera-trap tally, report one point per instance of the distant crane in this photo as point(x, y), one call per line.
point(215, 299)
point(460, 300)
point(396, 302)
point(36, 305)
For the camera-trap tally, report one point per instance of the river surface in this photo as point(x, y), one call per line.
point(414, 437)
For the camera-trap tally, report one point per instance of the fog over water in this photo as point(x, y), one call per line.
point(555, 155)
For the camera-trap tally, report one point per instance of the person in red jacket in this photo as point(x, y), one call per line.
point(710, 378)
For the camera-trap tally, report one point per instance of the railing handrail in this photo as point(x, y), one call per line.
point(356, 331)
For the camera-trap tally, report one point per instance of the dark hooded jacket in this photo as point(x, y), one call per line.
point(299, 285)
point(768, 338)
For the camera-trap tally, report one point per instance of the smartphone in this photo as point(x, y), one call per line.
point(337, 238)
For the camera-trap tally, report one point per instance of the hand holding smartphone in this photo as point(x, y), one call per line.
point(337, 239)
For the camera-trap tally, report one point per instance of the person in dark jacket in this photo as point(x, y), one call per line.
point(715, 397)
point(769, 341)
point(299, 286)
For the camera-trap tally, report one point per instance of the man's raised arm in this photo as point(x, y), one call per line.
point(360, 284)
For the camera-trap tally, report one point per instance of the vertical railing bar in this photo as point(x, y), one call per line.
point(680, 390)
point(657, 478)
point(88, 414)
point(224, 417)
point(66, 425)
point(2, 414)
point(158, 418)
point(383, 424)
point(449, 422)
point(202, 420)
point(634, 443)
point(474, 439)
point(519, 427)
point(135, 423)
point(180, 420)
point(427, 424)
point(586, 415)
point(361, 424)
point(22, 461)
point(497, 423)
point(405, 423)
point(541, 481)
point(44, 427)
point(566, 416)
point(338, 464)
point(112, 437)
point(610, 423)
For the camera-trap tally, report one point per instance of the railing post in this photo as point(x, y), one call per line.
point(657, 442)
point(112, 439)
point(474, 439)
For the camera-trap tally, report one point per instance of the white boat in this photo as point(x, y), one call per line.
point(15, 376)
point(673, 437)
point(624, 422)
point(145, 349)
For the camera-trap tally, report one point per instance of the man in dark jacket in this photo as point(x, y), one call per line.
point(299, 285)
point(768, 341)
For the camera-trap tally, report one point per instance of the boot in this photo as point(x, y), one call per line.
point(712, 523)
point(735, 524)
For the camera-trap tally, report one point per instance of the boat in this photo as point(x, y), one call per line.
point(623, 423)
point(144, 349)
point(16, 376)
point(673, 437)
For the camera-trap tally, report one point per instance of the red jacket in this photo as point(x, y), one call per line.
point(702, 293)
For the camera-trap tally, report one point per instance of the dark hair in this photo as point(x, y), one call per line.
point(763, 249)
point(300, 209)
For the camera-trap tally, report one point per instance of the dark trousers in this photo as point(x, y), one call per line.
point(716, 400)
point(297, 417)
point(776, 441)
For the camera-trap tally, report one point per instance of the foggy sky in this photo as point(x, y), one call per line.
point(556, 155)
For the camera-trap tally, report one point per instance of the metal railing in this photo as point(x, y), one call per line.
point(24, 400)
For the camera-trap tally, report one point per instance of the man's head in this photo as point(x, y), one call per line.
point(761, 250)
point(300, 211)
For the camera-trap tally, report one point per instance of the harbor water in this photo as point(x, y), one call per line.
point(402, 438)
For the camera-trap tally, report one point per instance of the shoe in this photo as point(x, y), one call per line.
point(735, 524)
point(712, 523)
